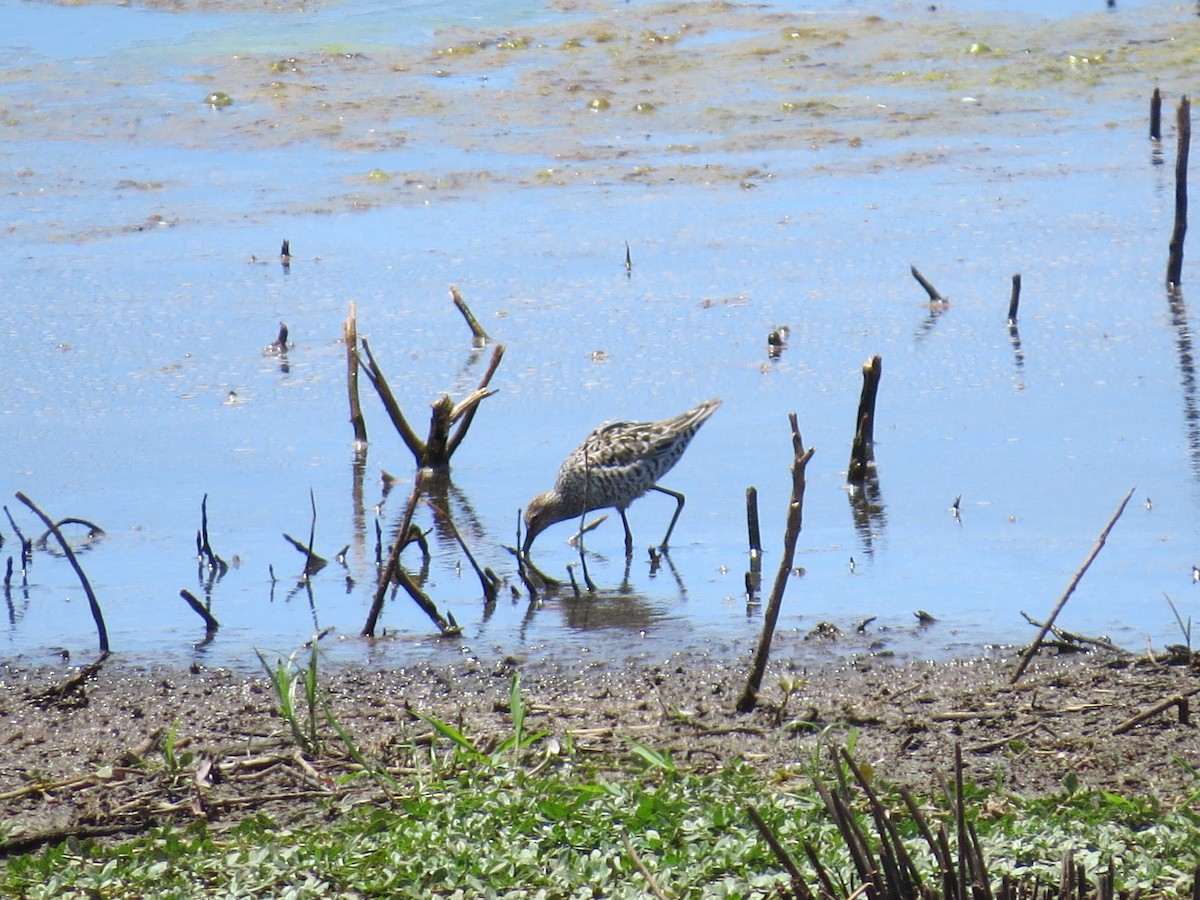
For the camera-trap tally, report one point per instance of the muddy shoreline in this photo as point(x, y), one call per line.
point(95, 761)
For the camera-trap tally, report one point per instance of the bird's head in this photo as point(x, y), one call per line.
point(542, 512)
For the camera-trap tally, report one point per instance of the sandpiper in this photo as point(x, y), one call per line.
point(615, 465)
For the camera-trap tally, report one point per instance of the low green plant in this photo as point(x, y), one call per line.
point(174, 762)
point(289, 680)
point(515, 743)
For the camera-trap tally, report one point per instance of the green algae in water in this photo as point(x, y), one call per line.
point(218, 100)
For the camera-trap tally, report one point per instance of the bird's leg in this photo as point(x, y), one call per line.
point(678, 509)
point(628, 535)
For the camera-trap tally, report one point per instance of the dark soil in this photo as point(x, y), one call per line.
point(92, 761)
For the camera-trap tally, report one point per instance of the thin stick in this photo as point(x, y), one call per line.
point(70, 554)
point(1179, 700)
point(651, 884)
point(375, 376)
point(311, 564)
point(1049, 623)
point(1175, 256)
point(799, 888)
point(1015, 300)
point(934, 296)
point(478, 335)
point(388, 575)
point(26, 545)
point(1156, 115)
point(210, 624)
point(749, 696)
point(754, 575)
point(350, 339)
point(752, 520)
point(862, 448)
point(488, 585)
point(465, 416)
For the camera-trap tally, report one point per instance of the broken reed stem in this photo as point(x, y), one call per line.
point(488, 584)
point(436, 450)
point(210, 624)
point(752, 520)
point(934, 296)
point(465, 414)
point(862, 450)
point(749, 698)
point(587, 483)
point(26, 544)
point(311, 566)
point(799, 888)
point(754, 575)
point(215, 563)
point(1156, 115)
point(388, 575)
point(1179, 700)
point(350, 339)
point(1175, 256)
point(1049, 623)
point(379, 382)
point(647, 875)
point(478, 335)
point(1015, 300)
point(101, 630)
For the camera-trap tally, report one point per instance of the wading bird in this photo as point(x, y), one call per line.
point(615, 465)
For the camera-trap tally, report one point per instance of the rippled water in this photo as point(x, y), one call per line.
point(760, 174)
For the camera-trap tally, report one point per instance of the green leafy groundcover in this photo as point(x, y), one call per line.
point(495, 830)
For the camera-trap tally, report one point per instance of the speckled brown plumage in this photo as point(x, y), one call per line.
point(616, 464)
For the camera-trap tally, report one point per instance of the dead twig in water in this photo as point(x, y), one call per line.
point(1049, 623)
point(862, 450)
point(392, 572)
point(26, 544)
point(749, 698)
point(1014, 300)
point(375, 375)
point(1183, 117)
point(204, 549)
point(350, 339)
point(934, 296)
point(70, 554)
point(1156, 115)
point(487, 579)
point(754, 574)
point(210, 624)
point(434, 452)
point(479, 337)
point(464, 413)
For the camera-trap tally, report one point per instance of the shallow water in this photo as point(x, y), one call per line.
point(775, 173)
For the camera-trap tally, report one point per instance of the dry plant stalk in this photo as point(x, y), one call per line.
point(862, 449)
point(93, 603)
point(1175, 256)
point(350, 339)
point(479, 337)
point(749, 698)
point(435, 451)
point(1049, 623)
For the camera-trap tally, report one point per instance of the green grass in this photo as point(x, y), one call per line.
point(527, 816)
point(470, 824)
